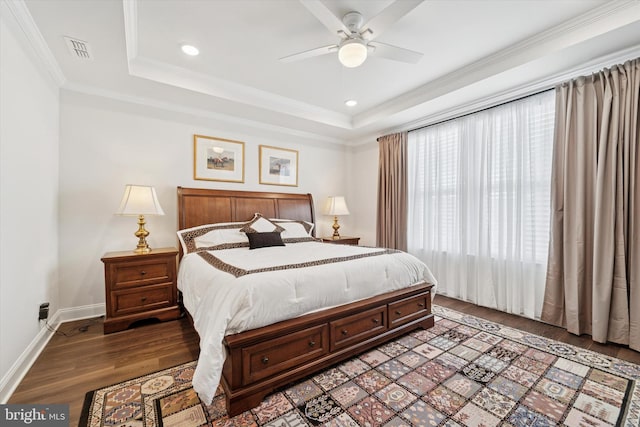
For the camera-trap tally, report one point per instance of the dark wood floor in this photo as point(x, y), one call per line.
point(72, 365)
point(85, 359)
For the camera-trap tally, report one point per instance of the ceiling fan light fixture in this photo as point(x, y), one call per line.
point(352, 53)
point(190, 50)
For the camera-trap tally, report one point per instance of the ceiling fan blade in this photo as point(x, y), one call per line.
point(396, 53)
point(310, 53)
point(379, 23)
point(324, 15)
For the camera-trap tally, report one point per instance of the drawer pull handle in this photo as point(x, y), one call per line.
point(312, 343)
point(421, 304)
point(142, 273)
point(345, 332)
point(375, 321)
point(265, 360)
point(143, 299)
point(398, 312)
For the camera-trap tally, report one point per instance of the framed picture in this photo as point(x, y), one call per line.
point(217, 159)
point(278, 166)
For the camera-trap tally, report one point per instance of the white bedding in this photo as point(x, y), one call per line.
point(222, 304)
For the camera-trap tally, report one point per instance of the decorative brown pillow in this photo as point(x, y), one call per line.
point(260, 224)
point(264, 240)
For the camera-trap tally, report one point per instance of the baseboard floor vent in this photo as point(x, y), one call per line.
point(78, 48)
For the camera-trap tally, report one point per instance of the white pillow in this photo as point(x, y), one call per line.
point(221, 236)
point(294, 229)
point(226, 233)
point(260, 224)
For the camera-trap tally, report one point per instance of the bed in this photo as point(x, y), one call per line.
point(255, 359)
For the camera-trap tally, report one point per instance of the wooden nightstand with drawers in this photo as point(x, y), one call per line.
point(139, 287)
point(342, 240)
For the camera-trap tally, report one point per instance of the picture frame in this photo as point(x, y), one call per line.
point(218, 159)
point(278, 166)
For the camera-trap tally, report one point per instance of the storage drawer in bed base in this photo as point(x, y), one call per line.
point(245, 390)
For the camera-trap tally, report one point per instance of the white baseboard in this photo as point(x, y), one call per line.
point(82, 312)
point(16, 373)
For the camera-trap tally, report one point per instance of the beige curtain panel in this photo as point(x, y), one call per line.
point(593, 275)
point(391, 230)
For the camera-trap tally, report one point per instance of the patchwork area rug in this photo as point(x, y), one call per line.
point(465, 371)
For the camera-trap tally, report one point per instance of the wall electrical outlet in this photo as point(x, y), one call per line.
point(43, 313)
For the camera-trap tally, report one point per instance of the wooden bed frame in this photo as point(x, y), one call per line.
point(264, 359)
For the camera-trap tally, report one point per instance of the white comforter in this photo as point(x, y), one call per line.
point(222, 304)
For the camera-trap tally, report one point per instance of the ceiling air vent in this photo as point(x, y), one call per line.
point(78, 48)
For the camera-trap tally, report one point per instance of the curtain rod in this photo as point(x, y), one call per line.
point(482, 109)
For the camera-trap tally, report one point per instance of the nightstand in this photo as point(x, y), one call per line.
point(140, 286)
point(342, 240)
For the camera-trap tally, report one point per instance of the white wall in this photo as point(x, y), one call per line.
point(64, 161)
point(363, 191)
point(29, 114)
point(106, 144)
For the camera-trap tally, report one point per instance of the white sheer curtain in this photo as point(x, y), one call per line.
point(479, 197)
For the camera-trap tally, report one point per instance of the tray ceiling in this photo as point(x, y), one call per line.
point(472, 50)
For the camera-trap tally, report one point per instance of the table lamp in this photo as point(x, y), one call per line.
point(336, 206)
point(140, 200)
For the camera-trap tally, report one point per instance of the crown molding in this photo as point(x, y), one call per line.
point(599, 20)
point(130, 9)
point(162, 72)
point(181, 77)
point(529, 88)
point(197, 112)
point(18, 9)
point(546, 83)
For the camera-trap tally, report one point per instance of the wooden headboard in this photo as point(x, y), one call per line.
point(197, 206)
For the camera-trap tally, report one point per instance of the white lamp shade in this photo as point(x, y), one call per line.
point(139, 200)
point(337, 206)
point(352, 53)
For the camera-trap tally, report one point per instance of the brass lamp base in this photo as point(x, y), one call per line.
point(336, 226)
point(141, 234)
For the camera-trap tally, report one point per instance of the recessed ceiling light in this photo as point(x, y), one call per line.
point(190, 50)
point(350, 102)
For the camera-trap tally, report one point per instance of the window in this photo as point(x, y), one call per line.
point(479, 197)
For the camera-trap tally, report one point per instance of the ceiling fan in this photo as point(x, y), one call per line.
point(357, 37)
